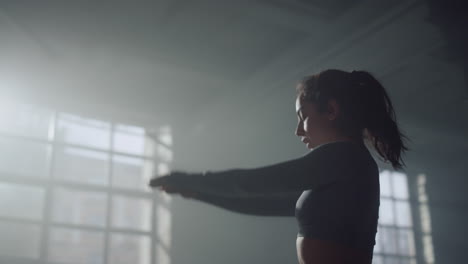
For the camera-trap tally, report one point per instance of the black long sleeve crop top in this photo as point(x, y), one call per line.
point(333, 191)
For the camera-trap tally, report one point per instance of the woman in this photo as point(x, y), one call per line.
point(333, 191)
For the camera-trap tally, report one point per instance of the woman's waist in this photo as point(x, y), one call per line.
point(313, 250)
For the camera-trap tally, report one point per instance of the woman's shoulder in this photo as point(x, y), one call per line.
point(341, 157)
point(341, 149)
point(341, 144)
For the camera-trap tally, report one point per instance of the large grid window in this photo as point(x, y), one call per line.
point(425, 218)
point(74, 189)
point(395, 240)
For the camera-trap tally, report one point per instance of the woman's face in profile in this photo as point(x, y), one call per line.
point(313, 128)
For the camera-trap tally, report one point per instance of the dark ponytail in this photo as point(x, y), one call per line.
point(366, 109)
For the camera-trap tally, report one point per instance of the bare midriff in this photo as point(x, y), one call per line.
point(315, 251)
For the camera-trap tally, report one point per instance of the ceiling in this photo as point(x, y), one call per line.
point(229, 68)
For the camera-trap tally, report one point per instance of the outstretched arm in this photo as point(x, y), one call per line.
point(279, 205)
point(323, 165)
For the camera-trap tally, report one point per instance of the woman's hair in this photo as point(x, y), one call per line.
point(366, 111)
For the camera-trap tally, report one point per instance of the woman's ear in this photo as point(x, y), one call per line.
point(333, 109)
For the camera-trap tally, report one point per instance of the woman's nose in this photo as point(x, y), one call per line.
point(299, 130)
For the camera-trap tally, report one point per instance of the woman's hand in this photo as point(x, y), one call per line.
point(173, 179)
point(173, 183)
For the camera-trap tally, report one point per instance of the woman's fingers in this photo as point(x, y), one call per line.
point(171, 184)
point(172, 190)
point(157, 182)
point(174, 178)
point(161, 180)
point(168, 189)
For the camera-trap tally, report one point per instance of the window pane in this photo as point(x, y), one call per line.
point(406, 242)
point(126, 249)
point(377, 260)
point(21, 201)
point(162, 256)
point(385, 187)
point(83, 131)
point(404, 261)
point(132, 213)
point(24, 157)
point(163, 153)
point(391, 260)
point(407, 261)
point(165, 135)
point(130, 129)
point(132, 173)
point(19, 240)
point(163, 225)
point(400, 185)
point(386, 213)
point(163, 168)
point(24, 120)
point(395, 236)
point(80, 165)
point(389, 240)
point(76, 246)
point(79, 207)
point(378, 241)
point(403, 214)
point(132, 140)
